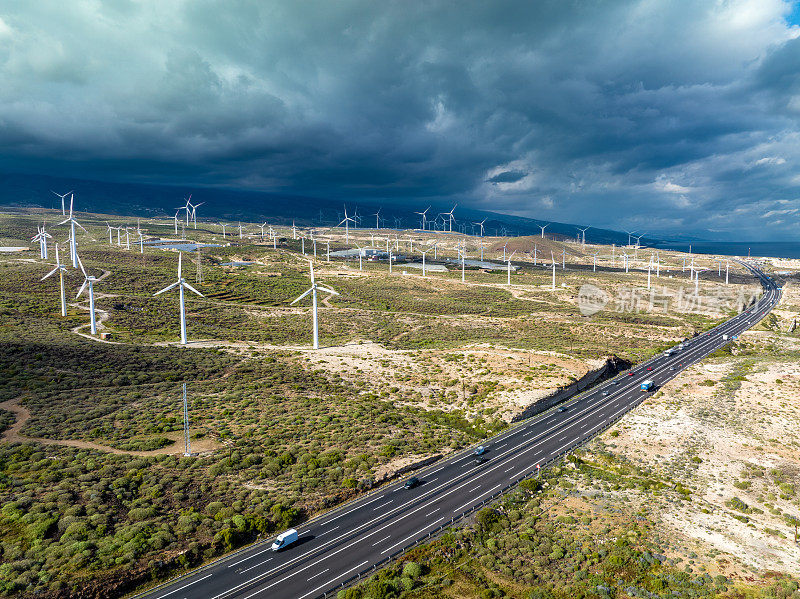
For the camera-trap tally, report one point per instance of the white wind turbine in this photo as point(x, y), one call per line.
point(553, 258)
point(450, 218)
point(262, 230)
point(583, 234)
point(62, 196)
point(313, 291)
point(423, 259)
point(73, 244)
point(543, 227)
point(346, 220)
point(181, 284)
point(509, 266)
point(594, 262)
point(630, 233)
point(294, 231)
point(88, 281)
point(110, 234)
point(424, 216)
point(223, 225)
point(60, 269)
point(42, 236)
point(176, 222)
point(377, 216)
point(194, 211)
point(480, 224)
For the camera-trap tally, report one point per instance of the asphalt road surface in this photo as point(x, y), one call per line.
point(363, 533)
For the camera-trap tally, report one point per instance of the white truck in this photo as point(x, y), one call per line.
point(285, 539)
point(724, 337)
point(647, 385)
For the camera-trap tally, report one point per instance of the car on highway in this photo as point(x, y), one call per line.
point(563, 409)
point(480, 450)
point(411, 483)
point(649, 368)
point(284, 540)
point(630, 374)
point(479, 459)
point(606, 392)
point(672, 368)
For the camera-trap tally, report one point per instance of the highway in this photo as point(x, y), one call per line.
point(363, 533)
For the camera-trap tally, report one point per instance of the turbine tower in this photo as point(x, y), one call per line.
point(62, 196)
point(424, 216)
point(346, 220)
point(480, 224)
point(187, 451)
point(543, 228)
point(181, 284)
point(583, 234)
point(73, 245)
point(42, 236)
point(88, 281)
point(313, 291)
point(60, 269)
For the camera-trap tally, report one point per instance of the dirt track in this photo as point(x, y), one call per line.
point(13, 435)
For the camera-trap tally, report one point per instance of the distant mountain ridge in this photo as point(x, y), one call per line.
point(139, 199)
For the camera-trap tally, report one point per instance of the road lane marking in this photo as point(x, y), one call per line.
point(382, 505)
point(412, 535)
point(326, 532)
point(256, 566)
point(475, 489)
point(381, 541)
point(327, 584)
point(315, 575)
point(184, 586)
point(431, 513)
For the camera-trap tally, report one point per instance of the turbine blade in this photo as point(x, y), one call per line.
point(302, 296)
point(190, 288)
point(326, 290)
point(180, 257)
point(52, 272)
point(167, 288)
point(85, 283)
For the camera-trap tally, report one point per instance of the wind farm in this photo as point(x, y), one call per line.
point(404, 300)
point(383, 304)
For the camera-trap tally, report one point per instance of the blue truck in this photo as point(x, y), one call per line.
point(647, 385)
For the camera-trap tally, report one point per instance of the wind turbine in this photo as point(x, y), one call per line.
point(423, 214)
point(181, 284)
point(583, 234)
point(450, 217)
point(110, 234)
point(88, 281)
point(194, 212)
point(42, 236)
point(509, 267)
point(423, 259)
point(63, 209)
point(223, 225)
point(176, 222)
point(60, 269)
point(377, 216)
point(262, 230)
point(543, 228)
point(480, 224)
point(73, 245)
point(294, 231)
point(313, 291)
point(346, 220)
point(553, 258)
point(630, 233)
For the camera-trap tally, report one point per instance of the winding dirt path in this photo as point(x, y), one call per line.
point(14, 435)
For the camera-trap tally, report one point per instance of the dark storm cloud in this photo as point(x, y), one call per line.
point(630, 114)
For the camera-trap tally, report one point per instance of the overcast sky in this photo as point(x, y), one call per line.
point(658, 115)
